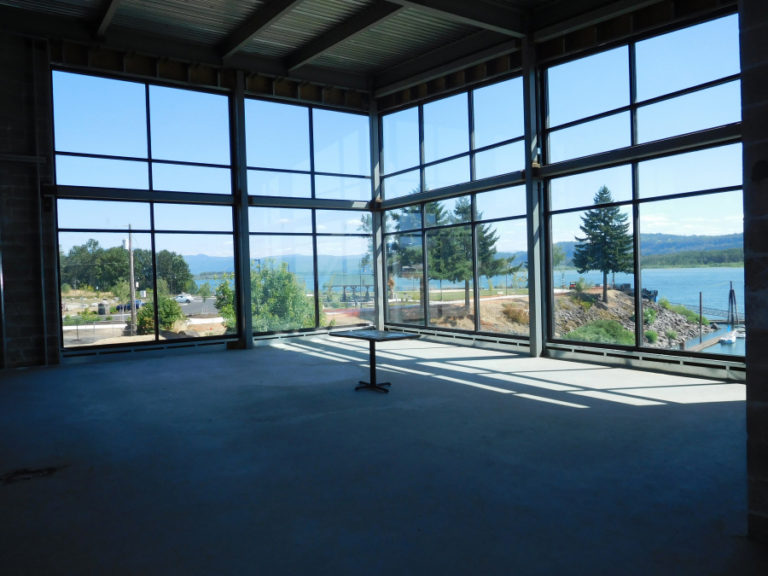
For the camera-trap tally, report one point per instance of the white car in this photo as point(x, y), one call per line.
point(183, 298)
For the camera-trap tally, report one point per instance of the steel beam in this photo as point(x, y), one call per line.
point(476, 13)
point(106, 17)
point(350, 27)
point(259, 20)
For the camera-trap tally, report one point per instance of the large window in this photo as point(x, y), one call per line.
point(648, 253)
point(454, 140)
point(135, 270)
point(309, 267)
point(446, 238)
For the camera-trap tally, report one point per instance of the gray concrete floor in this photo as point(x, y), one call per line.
point(267, 461)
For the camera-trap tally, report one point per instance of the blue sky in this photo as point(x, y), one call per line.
point(109, 117)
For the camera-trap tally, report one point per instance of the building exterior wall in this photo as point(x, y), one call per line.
point(25, 167)
point(754, 64)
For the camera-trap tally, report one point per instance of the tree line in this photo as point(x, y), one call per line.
point(92, 266)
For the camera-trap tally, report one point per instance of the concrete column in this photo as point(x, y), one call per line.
point(29, 309)
point(754, 94)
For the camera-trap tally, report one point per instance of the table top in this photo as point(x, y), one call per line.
point(373, 334)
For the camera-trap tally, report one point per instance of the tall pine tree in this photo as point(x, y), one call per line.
point(607, 243)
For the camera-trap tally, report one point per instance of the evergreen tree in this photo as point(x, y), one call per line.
point(607, 243)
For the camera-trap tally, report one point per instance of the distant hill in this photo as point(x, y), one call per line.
point(652, 245)
point(655, 244)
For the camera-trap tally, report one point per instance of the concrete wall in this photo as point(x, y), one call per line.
point(31, 332)
point(754, 64)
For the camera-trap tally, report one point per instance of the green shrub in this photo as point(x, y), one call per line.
point(605, 331)
point(169, 312)
point(652, 336)
point(671, 334)
point(649, 316)
point(66, 288)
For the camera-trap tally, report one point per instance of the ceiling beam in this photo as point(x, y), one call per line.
point(354, 25)
point(263, 17)
point(474, 13)
point(468, 51)
point(107, 14)
point(560, 23)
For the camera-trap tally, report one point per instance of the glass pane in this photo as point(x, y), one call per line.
point(697, 111)
point(178, 178)
point(342, 222)
point(99, 115)
point(277, 135)
point(402, 185)
point(94, 275)
point(345, 272)
point(690, 172)
point(498, 112)
point(446, 128)
point(101, 214)
point(590, 138)
point(692, 247)
point(400, 137)
point(189, 126)
point(501, 203)
point(340, 188)
point(580, 190)
point(193, 217)
point(405, 279)
point(282, 220)
point(400, 219)
point(282, 283)
point(342, 142)
point(450, 211)
point(588, 86)
point(500, 160)
point(687, 57)
point(447, 173)
point(101, 173)
point(592, 261)
point(451, 289)
point(282, 184)
point(502, 255)
point(195, 285)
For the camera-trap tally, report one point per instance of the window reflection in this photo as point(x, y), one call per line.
point(684, 114)
point(184, 178)
point(400, 140)
point(345, 275)
point(287, 127)
point(450, 278)
point(404, 279)
point(341, 142)
point(687, 57)
point(498, 112)
point(446, 128)
point(579, 189)
point(592, 137)
point(96, 115)
point(280, 220)
point(284, 184)
point(691, 252)
point(588, 86)
point(188, 125)
point(101, 173)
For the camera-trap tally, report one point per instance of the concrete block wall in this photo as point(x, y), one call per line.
point(754, 65)
point(30, 310)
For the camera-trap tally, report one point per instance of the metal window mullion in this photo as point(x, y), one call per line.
point(241, 237)
point(471, 127)
point(312, 191)
point(475, 269)
point(377, 219)
point(422, 152)
point(535, 244)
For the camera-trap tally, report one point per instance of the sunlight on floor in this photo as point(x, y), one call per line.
point(555, 381)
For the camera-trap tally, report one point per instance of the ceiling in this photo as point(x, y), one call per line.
point(377, 46)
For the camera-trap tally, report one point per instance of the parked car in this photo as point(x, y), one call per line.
point(183, 298)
